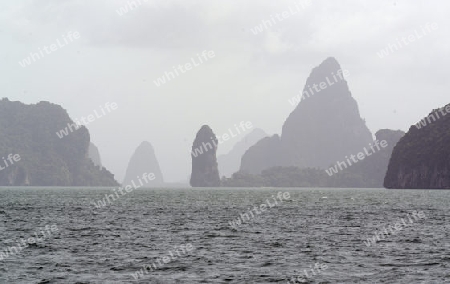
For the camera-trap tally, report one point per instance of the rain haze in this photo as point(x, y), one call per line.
point(122, 50)
point(233, 141)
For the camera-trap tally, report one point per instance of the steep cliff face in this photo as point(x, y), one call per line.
point(231, 162)
point(326, 125)
point(421, 159)
point(323, 128)
point(205, 171)
point(263, 155)
point(143, 161)
point(94, 155)
point(51, 153)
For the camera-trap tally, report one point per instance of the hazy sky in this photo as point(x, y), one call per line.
point(117, 58)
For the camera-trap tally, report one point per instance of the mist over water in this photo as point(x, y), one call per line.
point(196, 141)
point(324, 226)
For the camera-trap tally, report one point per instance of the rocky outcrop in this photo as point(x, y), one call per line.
point(94, 155)
point(326, 125)
point(368, 172)
point(421, 159)
point(144, 161)
point(53, 150)
point(231, 162)
point(372, 169)
point(263, 155)
point(323, 128)
point(205, 171)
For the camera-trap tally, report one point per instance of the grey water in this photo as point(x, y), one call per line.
point(329, 228)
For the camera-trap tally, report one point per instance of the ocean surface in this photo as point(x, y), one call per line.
point(326, 232)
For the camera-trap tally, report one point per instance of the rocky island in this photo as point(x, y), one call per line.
point(421, 159)
point(322, 129)
point(205, 172)
point(144, 161)
point(30, 131)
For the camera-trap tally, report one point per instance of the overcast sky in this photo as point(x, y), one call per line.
point(250, 78)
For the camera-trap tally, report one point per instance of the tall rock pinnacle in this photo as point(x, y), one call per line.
point(326, 125)
point(205, 171)
point(143, 161)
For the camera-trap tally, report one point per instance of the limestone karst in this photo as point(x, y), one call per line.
point(143, 161)
point(205, 171)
